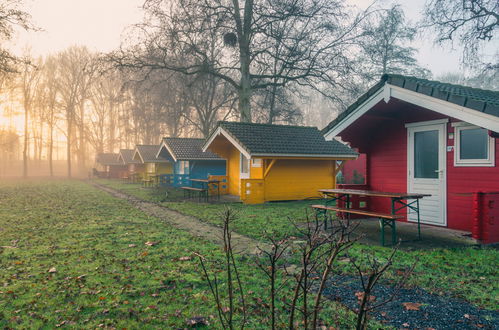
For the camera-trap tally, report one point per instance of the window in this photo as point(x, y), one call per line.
point(426, 154)
point(244, 167)
point(256, 162)
point(183, 167)
point(473, 146)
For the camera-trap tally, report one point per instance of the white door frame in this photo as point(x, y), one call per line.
point(243, 175)
point(441, 126)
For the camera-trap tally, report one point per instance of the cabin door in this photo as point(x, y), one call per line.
point(426, 160)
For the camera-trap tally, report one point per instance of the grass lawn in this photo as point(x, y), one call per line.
point(74, 256)
point(469, 273)
point(253, 219)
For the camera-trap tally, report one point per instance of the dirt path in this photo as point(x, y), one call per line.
point(194, 226)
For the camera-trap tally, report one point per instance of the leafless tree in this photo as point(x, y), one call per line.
point(74, 71)
point(472, 23)
point(28, 83)
point(11, 16)
point(385, 46)
point(49, 104)
point(313, 38)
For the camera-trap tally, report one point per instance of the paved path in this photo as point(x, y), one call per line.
point(196, 227)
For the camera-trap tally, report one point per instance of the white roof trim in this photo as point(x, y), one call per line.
point(356, 114)
point(135, 152)
point(164, 145)
point(120, 158)
point(305, 155)
point(429, 102)
point(221, 131)
point(428, 122)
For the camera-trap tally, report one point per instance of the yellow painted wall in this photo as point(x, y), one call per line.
point(233, 171)
point(164, 168)
point(290, 179)
point(255, 171)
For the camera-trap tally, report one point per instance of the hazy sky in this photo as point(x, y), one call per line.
point(98, 24)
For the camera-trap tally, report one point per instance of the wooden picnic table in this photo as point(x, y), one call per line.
point(399, 201)
point(205, 183)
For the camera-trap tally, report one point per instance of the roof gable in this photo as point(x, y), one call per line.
point(473, 105)
point(107, 159)
point(126, 156)
point(147, 153)
point(187, 149)
point(280, 140)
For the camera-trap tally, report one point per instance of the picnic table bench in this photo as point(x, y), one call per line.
point(203, 191)
point(398, 202)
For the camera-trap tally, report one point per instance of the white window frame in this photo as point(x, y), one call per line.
point(458, 162)
point(182, 165)
point(244, 175)
point(256, 162)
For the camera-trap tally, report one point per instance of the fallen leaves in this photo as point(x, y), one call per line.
point(410, 306)
point(186, 258)
point(360, 296)
point(150, 243)
point(197, 321)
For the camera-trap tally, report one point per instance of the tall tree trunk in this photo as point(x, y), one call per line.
point(243, 27)
point(26, 142)
point(245, 90)
point(272, 104)
point(69, 140)
point(51, 147)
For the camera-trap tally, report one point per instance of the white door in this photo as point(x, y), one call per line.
point(426, 160)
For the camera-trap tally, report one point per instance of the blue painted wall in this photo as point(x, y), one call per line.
point(200, 169)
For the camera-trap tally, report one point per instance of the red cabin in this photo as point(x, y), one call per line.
point(424, 136)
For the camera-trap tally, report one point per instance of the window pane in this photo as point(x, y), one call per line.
point(426, 154)
point(473, 144)
point(244, 164)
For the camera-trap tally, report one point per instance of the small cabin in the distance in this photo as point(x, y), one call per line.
point(153, 165)
point(133, 167)
point(190, 161)
point(107, 165)
point(276, 162)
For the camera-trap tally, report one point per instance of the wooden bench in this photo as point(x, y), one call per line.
point(385, 219)
point(201, 192)
point(147, 182)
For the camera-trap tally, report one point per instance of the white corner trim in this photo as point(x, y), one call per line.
point(386, 94)
point(136, 152)
point(429, 102)
point(354, 115)
point(164, 145)
point(429, 122)
point(306, 156)
point(210, 140)
point(446, 108)
point(221, 131)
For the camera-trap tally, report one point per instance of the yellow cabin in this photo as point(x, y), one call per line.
point(276, 162)
point(153, 164)
point(133, 167)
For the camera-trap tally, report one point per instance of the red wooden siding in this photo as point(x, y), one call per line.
point(467, 180)
point(381, 134)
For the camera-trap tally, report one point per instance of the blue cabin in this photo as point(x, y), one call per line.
point(190, 162)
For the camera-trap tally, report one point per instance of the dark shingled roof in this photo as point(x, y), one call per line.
point(265, 139)
point(148, 153)
point(127, 156)
point(107, 159)
point(189, 149)
point(485, 101)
